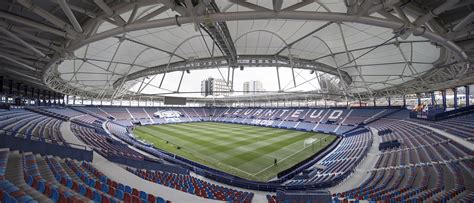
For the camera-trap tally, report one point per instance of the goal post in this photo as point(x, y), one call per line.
point(309, 142)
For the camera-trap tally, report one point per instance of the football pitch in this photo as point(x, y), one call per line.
point(242, 150)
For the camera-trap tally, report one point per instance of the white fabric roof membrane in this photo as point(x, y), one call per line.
point(375, 59)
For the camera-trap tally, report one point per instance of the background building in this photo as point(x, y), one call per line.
point(253, 87)
point(214, 87)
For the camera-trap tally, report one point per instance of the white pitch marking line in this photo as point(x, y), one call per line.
point(287, 157)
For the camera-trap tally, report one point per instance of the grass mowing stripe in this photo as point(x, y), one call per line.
point(189, 138)
point(231, 146)
point(200, 159)
point(240, 150)
point(222, 146)
point(233, 154)
point(255, 145)
point(209, 133)
point(167, 136)
point(233, 130)
point(223, 137)
point(224, 125)
point(225, 133)
point(271, 147)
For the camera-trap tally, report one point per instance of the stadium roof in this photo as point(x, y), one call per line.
point(150, 48)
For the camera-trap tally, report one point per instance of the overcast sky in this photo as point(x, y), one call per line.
point(266, 75)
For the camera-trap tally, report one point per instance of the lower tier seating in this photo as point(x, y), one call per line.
point(26, 177)
point(192, 185)
point(426, 167)
point(340, 162)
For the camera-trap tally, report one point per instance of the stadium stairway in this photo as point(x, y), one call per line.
point(360, 172)
point(14, 174)
point(115, 172)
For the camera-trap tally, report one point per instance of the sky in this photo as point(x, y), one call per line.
point(266, 75)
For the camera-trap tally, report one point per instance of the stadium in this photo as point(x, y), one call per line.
point(281, 101)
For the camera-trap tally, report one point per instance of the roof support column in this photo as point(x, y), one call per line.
point(418, 96)
point(278, 77)
point(32, 98)
point(467, 94)
point(25, 89)
point(49, 98)
point(455, 93)
point(232, 83)
point(180, 81)
point(1, 84)
point(432, 98)
point(38, 98)
point(11, 87)
point(18, 89)
point(443, 94)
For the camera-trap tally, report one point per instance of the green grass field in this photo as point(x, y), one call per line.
point(242, 150)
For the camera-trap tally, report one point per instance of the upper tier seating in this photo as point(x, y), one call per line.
point(192, 185)
point(401, 114)
point(30, 125)
point(119, 113)
point(64, 111)
point(462, 126)
point(138, 113)
point(95, 111)
point(357, 116)
point(86, 118)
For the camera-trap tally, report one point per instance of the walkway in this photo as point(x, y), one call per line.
point(69, 136)
point(361, 171)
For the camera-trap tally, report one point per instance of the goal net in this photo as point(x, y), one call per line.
point(308, 142)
